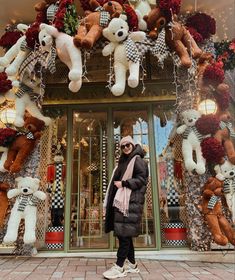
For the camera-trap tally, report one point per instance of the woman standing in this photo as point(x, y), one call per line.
point(124, 203)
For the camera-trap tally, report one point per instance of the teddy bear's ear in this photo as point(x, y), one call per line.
point(18, 179)
point(42, 26)
point(106, 33)
point(22, 27)
point(123, 16)
point(36, 181)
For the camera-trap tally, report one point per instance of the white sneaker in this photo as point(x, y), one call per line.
point(130, 267)
point(114, 272)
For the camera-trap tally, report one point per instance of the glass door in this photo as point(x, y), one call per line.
point(89, 180)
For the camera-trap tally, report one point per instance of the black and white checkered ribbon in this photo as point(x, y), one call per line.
point(229, 126)
point(229, 182)
point(132, 53)
point(193, 129)
point(51, 62)
point(25, 200)
point(24, 89)
point(104, 16)
point(23, 46)
point(213, 200)
point(30, 135)
point(51, 11)
point(160, 49)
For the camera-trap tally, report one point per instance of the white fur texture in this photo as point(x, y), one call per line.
point(2, 160)
point(27, 186)
point(14, 56)
point(192, 143)
point(67, 53)
point(116, 32)
point(227, 171)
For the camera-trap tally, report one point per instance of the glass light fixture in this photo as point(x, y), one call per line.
point(7, 116)
point(207, 106)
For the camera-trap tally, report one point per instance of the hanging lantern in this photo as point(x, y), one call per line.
point(7, 116)
point(207, 106)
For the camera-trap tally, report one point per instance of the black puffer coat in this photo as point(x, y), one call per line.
point(114, 220)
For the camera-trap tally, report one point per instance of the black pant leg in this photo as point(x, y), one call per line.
point(123, 250)
point(131, 253)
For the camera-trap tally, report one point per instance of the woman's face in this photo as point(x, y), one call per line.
point(127, 148)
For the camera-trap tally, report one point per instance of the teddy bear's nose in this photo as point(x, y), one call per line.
point(190, 120)
point(231, 173)
point(43, 43)
point(110, 3)
point(25, 190)
point(120, 33)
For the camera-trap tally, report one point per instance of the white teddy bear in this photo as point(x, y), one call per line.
point(191, 142)
point(66, 50)
point(126, 55)
point(29, 90)
point(25, 207)
point(15, 55)
point(226, 172)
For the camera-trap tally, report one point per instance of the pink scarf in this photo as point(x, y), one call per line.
point(122, 197)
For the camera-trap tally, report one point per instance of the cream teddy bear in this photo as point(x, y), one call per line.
point(25, 207)
point(66, 50)
point(15, 55)
point(126, 55)
point(29, 91)
point(191, 142)
point(226, 172)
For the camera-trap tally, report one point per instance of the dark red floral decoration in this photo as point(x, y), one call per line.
point(207, 124)
point(9, 38)
point(7, 136)
point(41, 17)
point(32, 35)
point(214, 74)
point(222, 99)
point(212, 150)
point(5, 83)
point(132, 18)
point(204, 24)
point(169, 8)
point(196, 36)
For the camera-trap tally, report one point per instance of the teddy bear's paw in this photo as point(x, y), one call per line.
point(200, 169)
point(190, 165)
point(87, 43)
point(232, 159)
point(29, 238)
point(74, 86)
point(19, 122)
point(220, 239)
point(11, 70)
point(7, 165)
point(4, 61)
point(117, 90)
point(9, 238)
point(133, 81)
point(14, 168)
point(77, 41)
point(75, 75)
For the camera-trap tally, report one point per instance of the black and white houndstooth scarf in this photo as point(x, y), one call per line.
point(229, 182)
point(25, 200)
point(229, 126)
point(190, 129)
point(24, 89)
point(213, 200)
point(132, 52)
point(104, 16)
point(51, 11)
point(160, 49)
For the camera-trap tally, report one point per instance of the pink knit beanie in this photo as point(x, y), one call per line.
point(127, 139)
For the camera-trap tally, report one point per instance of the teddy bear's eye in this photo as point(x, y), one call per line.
point(121, 27)
point(113, 33)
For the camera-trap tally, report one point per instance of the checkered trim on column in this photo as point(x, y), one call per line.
point(172, 195)
point(57, 196)
point(176, 242)
point(174, 225)
point(55, 246)
point(55, 229)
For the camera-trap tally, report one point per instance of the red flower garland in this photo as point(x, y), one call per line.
point(222, 97)
point(132, 18)
point(207, 124)
point(196, 36)
point(212, 150)
point(32, 35)
point(5, 84)
point(9, 38)
point(204, 24)
point(7, 135)
point(214, 74)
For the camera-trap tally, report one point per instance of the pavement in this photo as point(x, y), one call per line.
point(67, 268)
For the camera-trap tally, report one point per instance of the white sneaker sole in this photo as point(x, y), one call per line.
point(132, 270)
point(123, 274)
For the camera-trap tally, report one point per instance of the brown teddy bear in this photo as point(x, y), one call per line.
point(23, 144)
point(91, 27)
point(43, 5)
point(219, 226)
point(3, 202)
point(177, 36)
point(223, 135)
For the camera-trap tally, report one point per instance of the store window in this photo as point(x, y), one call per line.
point(170, 179)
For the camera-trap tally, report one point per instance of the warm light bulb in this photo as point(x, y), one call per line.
point(207, 106)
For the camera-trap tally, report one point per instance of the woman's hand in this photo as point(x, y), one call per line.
point(118, 184)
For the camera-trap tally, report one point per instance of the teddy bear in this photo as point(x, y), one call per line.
point(3, 202)
point(49, 7)
point(177, 37)
point(126, 55)
point(25, 207)
point(92, 25)
point(66, 50)
point(16, 54)
point(226, 173)
point(211, 207)
point(28, 93)
point(191, 141)
point(23, 145)
point(225, 133)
